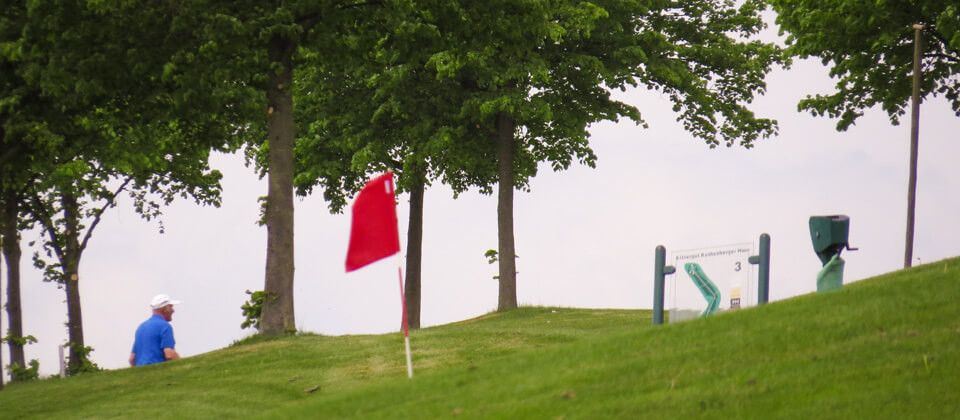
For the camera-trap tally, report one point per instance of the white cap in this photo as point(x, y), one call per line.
point(160, 301)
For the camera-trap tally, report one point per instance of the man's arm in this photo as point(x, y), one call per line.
point(133, 359)
point(170, 354)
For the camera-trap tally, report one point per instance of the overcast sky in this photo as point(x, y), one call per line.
point(585, 237)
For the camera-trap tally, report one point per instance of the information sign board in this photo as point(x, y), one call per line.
point(710, 280)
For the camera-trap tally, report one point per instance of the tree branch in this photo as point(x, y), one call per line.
point(946, 46)
point(313, 19)
point(360, 4)
point(46, 220)
point(97, 216)
point(9, 154)
point(946, 57)
point(309, 21)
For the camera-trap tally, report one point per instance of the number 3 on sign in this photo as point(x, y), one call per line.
point(736, 266)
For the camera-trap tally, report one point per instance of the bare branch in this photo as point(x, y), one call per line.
point(945, 57)
point(9, 154)
point(98, 215)
point(955, 57)
point(360, 4)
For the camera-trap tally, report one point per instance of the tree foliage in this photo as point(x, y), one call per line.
point(250, 52)
point(479, 94)
point(96, 113)
point(251, 310)
point(111, 96)
point(869, 48)
point(378, 108)
point(539, 73)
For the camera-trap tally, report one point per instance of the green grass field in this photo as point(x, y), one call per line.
point(886, 347)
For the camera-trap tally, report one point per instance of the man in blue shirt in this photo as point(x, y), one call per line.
point(154, 341)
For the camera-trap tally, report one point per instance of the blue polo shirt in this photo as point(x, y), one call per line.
point(153, 335)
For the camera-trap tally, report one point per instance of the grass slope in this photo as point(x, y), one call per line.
point(887, 347)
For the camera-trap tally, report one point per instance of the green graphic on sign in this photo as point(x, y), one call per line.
point(706, 287)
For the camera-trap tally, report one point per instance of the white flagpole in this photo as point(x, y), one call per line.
point(406, 332)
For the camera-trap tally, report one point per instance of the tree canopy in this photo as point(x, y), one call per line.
point(107, 96)
point(868, 46)
point(480, 94)
point(539, 74)
point(95, 112)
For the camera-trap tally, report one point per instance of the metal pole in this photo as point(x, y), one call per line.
point(660, 270)
point(763, 277)
point(914, 142)
point(658, 274)
point(63, 365)
point(762, 260)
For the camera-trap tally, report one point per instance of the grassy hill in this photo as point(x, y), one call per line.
point(887, 347)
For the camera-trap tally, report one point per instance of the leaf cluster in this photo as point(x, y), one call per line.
point(100, 104)
point(20, 341)
point(85, 365)
point(252, 308)
point(23, 373)
point(703, 56)
point(869, 46)
point(422, 86)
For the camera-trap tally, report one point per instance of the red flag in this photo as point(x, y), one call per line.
point(373, 232)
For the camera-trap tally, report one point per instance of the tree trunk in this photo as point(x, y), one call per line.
point(277, 316)
point(507, 253)
point(11, 254)
point(414, 250)
point(71, 277)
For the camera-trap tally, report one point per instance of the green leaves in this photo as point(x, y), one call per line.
point(438, 75)
point(20, 341)
point(869, 46)
point(700, 57)
point(22, 373)
point(252, 308)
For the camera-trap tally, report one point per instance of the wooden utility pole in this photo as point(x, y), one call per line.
point(914, 141)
